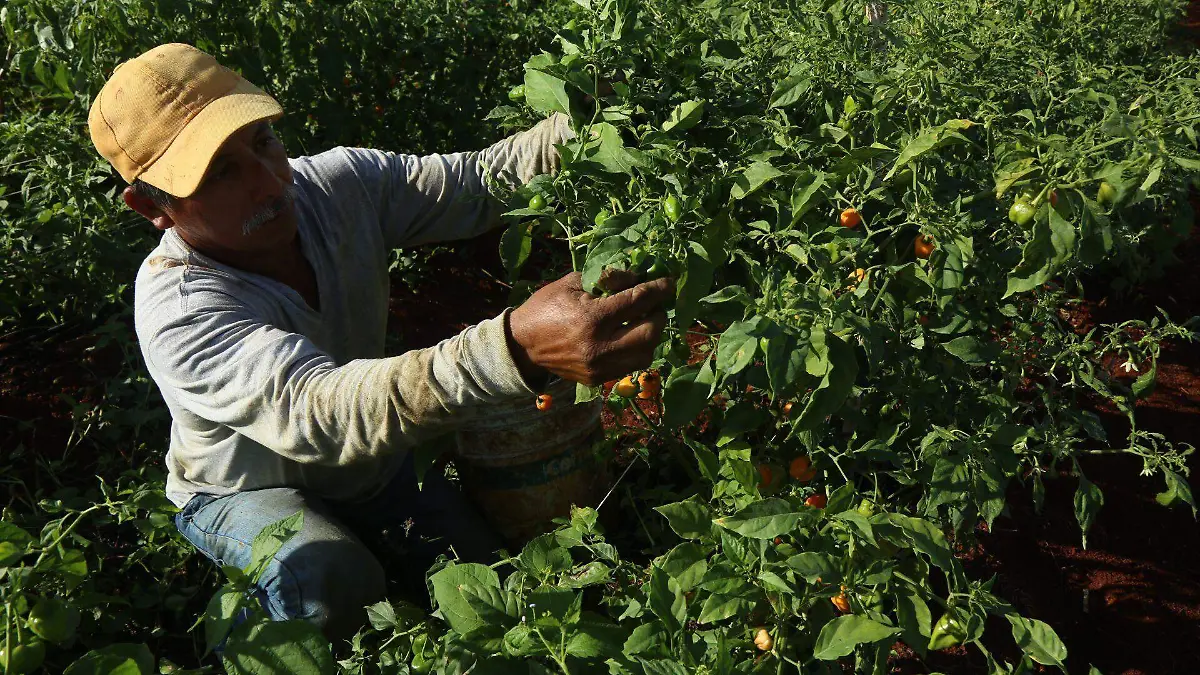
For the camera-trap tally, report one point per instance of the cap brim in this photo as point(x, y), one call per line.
point(181, 169)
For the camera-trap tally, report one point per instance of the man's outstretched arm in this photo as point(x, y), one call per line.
point(442, 197)
point(279, 389)
point(282, 391)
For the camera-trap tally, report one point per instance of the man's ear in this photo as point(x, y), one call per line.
point(148, 209)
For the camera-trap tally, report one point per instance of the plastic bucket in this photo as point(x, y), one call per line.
point(524, 467)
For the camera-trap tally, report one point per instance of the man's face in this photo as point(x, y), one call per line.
point(246, 202)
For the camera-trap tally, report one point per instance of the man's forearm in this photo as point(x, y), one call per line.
point(280, 391)
point(377, 406)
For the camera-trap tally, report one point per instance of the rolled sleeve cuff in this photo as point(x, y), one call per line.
point(491, 363)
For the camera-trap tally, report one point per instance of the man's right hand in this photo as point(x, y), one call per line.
point(582, 338)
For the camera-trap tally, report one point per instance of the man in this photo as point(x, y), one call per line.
point(261, 316)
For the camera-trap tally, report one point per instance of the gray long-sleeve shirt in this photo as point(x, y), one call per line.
point(265, 391)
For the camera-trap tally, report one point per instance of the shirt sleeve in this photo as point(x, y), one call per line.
point(280, 390)
point(442, 197)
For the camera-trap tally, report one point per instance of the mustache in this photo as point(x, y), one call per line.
point(270, 211)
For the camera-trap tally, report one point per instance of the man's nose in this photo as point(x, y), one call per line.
point(269, 180)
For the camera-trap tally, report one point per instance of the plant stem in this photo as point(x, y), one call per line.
point(668, 441)
point(879, 296)
point(62, 535)
point(639, 517)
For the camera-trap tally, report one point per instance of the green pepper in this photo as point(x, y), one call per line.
point(420, 662)
point(949, 632)
point(537, 202)
point(658, 270)
point(671, 208)
point(25, 658)
point(53, 620)
point(1021, 212)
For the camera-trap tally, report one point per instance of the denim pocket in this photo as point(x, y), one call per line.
point(197, 502)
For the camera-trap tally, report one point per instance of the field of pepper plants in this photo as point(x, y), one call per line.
point(882, 218)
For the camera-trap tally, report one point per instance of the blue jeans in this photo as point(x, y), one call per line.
point(330, 570)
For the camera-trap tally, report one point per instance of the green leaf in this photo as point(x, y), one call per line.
point(1088, 500)
point(515, 245)
point(561, 604)
point(523, 640)
point(737, 346)
point(839, 637)
point(543, 556)
point(840, 499)
point(755, 176)
point(382, 616)
point(1177, 491)
point(972, 351)
point(709, 466)
point(14, 542)
point(591, 574)
point(929, 140)
point(689, 519)
point(785, 365)
point(1062, 237)
point(1038, 640)
point(806, 193)
point(665, 600)
point(644, 638)
point(496, 608)
point(544, 91)
point(71, 565)
point(115, 659)
point(834, 361)
point(766, 519)
point(790, 89)
point(1013, 172)
point(449, 585)
point(927, 538)
point(772, 580)
point(62, 79)
point(693, 284)
point(1186, 163)
point(1036, 265)
point(685, 116)
point(606, 148)
point(686, 564)
point(269, 540)
point(728, 294)
point(263, 647)
point(602, 255)
point(1143, 386)
point(596, 638)
point(219, 615)
point(585, 393)
point(720, 607)
point(914, 618)
point(662, 667)
point(686, 392)
point(861, 522)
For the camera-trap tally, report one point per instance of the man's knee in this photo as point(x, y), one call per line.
point(328, 582)
point(323, 573)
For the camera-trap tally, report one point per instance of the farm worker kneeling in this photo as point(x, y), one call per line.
point(261, 316)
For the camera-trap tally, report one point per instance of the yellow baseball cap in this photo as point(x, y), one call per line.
point(162, 116)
